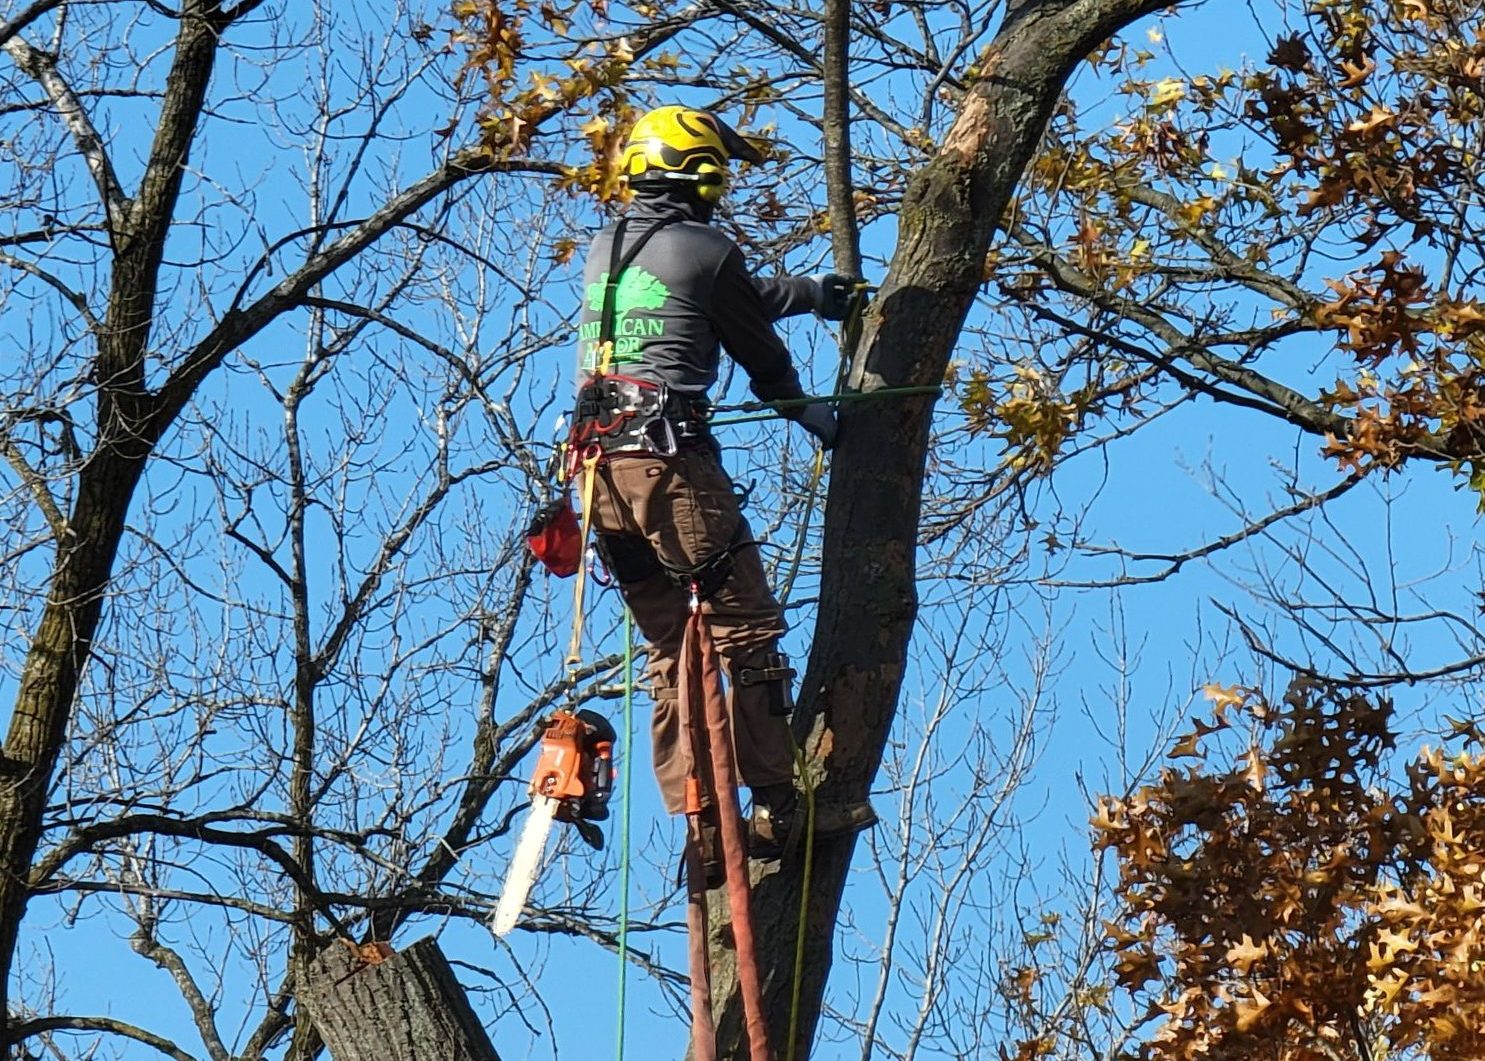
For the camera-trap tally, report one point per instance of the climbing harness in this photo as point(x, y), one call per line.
point(623, 414)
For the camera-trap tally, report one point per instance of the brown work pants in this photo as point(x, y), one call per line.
point(651, 513)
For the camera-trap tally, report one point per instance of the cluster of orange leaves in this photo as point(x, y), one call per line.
point(1421, 357)
point(525, 87)
point(1291, 907)
point(1379, 120)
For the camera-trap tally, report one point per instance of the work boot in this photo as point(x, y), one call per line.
point(781, 818)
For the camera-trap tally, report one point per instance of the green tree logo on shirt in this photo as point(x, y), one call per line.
point(638, 290)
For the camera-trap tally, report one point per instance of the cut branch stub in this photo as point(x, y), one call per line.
point(403, 1007)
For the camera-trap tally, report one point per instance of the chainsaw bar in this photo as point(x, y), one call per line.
point(525, 864)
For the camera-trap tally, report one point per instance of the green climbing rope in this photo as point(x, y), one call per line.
point(627, 759)
point(772, 410)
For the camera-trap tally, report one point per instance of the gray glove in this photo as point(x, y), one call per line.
point(833, 300)
point(819, 420)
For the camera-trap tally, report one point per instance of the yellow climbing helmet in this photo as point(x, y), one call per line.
point(678, 144)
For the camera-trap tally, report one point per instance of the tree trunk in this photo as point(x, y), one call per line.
point(406, 1007)
point(868, 601)
point(49, 680)
point(88, 544)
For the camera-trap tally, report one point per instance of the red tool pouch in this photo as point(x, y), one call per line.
point(555, 539)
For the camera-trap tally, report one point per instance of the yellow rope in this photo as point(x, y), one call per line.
point(806, 778)
point(575, 646)
point(850, 335)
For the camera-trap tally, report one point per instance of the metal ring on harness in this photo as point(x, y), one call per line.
point(579, 454)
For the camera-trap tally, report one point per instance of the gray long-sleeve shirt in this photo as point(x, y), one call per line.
point(687, 293)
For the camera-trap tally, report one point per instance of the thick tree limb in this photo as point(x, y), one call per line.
point(845, 236)
point(29, 1029)
point(868, 602)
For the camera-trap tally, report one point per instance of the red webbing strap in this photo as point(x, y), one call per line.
point(701, 687)
point(688, 692)
point(734, 845)
point(703, 1030)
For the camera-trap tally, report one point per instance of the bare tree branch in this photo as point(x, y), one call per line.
point(90, 144)
point(34, 482)
point(29, 1029)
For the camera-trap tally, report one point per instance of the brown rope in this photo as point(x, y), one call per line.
point(704, 714)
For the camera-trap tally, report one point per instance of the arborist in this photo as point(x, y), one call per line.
point(663, 291)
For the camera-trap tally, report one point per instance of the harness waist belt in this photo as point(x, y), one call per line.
point(623, 414)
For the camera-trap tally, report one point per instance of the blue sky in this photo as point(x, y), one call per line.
point(1058, 664)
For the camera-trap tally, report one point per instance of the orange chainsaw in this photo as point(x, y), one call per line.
point(573, 782)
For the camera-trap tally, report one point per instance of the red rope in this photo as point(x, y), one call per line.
point(715, 773)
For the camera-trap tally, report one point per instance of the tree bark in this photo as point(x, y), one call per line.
point(89, 543)
point(868, 604)
point(131, 420)
point(49, 679)
point(407, 1007)
point(835, 70)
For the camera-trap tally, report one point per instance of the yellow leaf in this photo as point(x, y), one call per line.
point(1242, 955)
point(1384, 989)
point(1379, 116)
point(1250, 1010)
point(1169, 91)
point(1231, 696)
point(1191, 213)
